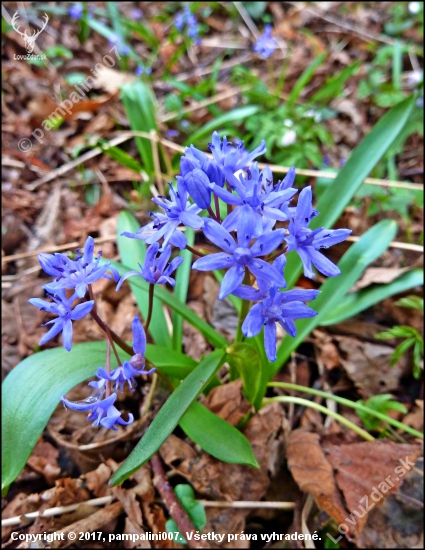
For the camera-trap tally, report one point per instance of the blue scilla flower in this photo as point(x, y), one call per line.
point(156, 271)
point(131, 368)
point(237, 256)
point(257, 191)
point(119, 42)
point(280, 307)
point(101, 411)
point(62, 307)
point(307, 242)
point(265, 44)
point(76, 10)
point(177, 210)
point(187, 19)
point(78, 273)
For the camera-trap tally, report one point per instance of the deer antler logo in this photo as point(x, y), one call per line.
point(29, 40)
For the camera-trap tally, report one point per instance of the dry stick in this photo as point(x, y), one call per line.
point(23, 255)
point(59, 510)
point(275, 168)
point(155, 154)
point(247, 19)
point(172, 503)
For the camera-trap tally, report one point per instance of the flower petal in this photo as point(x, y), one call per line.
point(81, 310)
point(219, 236)
point(270, 340)
point(139, 336)
point(323, 264)
point(232, 279)
point(214, 261)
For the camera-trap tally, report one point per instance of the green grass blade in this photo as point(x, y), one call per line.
point(366, 297)
point(237, 115)
point(181, 288)
point(362, 253)
point(216, 436)
point(170, 414)
point(304, 79)
point(132, 252)
point(140, 107)
point(363, 159)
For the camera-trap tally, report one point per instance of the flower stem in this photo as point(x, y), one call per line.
point(113, 337)
point(324, 410)
point(149, 317)
point(194, 251)
point(348, 403)
point(108, 367)
point(243, 312)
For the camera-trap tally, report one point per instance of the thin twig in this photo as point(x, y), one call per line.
point(59, 510)
point(155, 155)
point(172, 503)
point(247, 19)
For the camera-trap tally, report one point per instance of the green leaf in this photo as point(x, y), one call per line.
point(170, 414)
point(362, 253)
point(399, 350)
point(411, 301)
point(32, 391)
point(181, 288)
point(121, 156)
point(335, 84)
point(361, 162)
point(304, 79)
point(356, 302)
point(195, 510)
point(172, 363)
point(132, 252)
point(216, 436)
point(140, 106)
point(247, 362)
point(380, 403)
point(237, 115)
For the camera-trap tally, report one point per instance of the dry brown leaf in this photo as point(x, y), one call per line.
point(228, 402)
point(97, 480)
point(43, 460)
point(313, 473)
point(131, 528)
point(368, 472)
point(368, 366)
point(415, 419)
point(379, 275)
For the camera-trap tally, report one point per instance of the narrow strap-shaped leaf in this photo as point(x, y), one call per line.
point(132, 252)
point(216, 436)
point(356, 302)
point(32, 391)
point(359, 165)
point(170, 414)
point(369, 247)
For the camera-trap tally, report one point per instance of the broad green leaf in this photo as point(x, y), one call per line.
point(172, 363)
point(216, 436)
point(362, 253)
point(170, 300)
point(181, 288)
point(238, 115)
point(247, 362)
point(304, 79)
point(170, 414)
point(132, 252)
point(140, 106)
point(32, 391)
point(361, 162)
point(366, 297)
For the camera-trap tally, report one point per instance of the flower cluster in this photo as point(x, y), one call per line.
point(102, 410)
point(186, 21)
point(75, 274)
point(247, 239)
point(265, 44)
